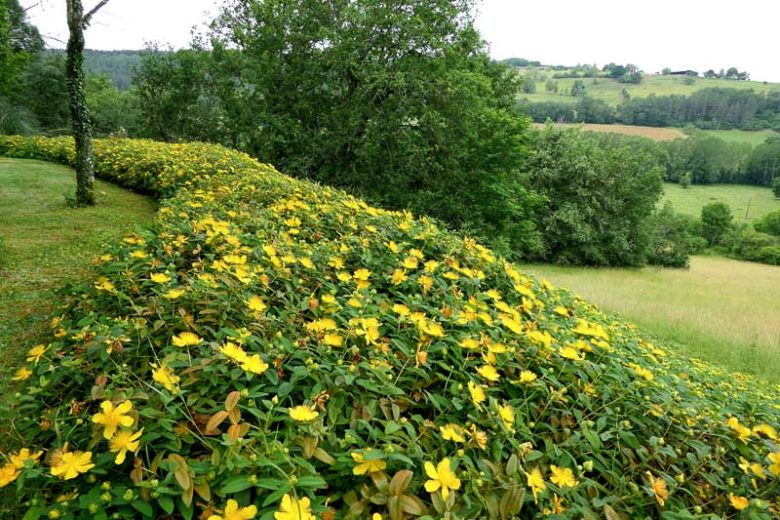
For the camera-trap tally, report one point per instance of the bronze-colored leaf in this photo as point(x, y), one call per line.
point(232, 400)
point(400, 482)
point(212, 427)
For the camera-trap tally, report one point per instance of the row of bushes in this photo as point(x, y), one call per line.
point(273, 348)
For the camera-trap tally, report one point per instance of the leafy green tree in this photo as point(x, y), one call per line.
point(578, 88)
point(20, 41)
point(763, 166)
point(397, 101)
point(776, 187)
point(716, 221)
point(43, 90)
point(111, 110)
point(769, 223)
point(599, 199)
point(675, 238)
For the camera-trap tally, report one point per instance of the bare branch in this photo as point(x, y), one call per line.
point(36, 4)
point(90, 14)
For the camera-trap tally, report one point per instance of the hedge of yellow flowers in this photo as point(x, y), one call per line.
point(277, 349)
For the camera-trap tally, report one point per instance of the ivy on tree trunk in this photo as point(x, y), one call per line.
point(79, 114)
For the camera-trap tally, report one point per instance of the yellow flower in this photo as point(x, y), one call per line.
point(774, 468)
point(22, 374)
point(477, 393)
point(410, 262)
point(233, 512)
point(254, 364)
point(737, 502)
point(743, 432)
point(557, 507)
point(426, 282)
point(35, 353)
point(535, 482)
point(562, 477)
point(333, 339)
point(361, 278)
point(166, 377)
point(469, 344)
point(398, 277)
point(363, 466)
point(293, 509)
point(658, 485)
point(256, 304)
point(72, 464)
point(569, 352)
point(526, 376)
point(8, 473)
point(160, 278)
point(111, 418)
point(18, 459)
point(452, 432)
point(185, 339)
point(124, 441)
point(479, 437)
point(103, 284)
point(322, 325)
point(234, 352)
point(754, 467)
point(441, 477)
point(764, 429)
point(174, 294)
point(489, 372)
point(507, 415)
point(303, 413)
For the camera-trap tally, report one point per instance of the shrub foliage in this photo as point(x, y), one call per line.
point(274, 347)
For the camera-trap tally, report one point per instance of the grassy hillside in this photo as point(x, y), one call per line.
point(273, 346)
point(610, 90)
point(654, 133)
point(754, 138)
point(753, 201)
point(719, 310)
point(45, 243)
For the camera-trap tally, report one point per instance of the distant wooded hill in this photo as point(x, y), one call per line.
point(118, 65)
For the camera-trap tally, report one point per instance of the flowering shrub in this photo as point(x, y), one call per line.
point(277, 349)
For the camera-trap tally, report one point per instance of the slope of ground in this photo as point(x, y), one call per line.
point(719, 310)
point(281, 347)
point(747, 203)
point(46, 243)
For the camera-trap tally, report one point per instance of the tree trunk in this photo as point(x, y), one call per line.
point(79, 114)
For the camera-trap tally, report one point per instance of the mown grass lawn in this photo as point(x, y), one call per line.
point(44, 243)
point(721, 310)
point(747, 203)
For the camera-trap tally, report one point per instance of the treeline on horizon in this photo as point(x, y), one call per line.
point(709, 108)
point(426, 122)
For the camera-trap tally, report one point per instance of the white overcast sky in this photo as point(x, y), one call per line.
point(681, 34)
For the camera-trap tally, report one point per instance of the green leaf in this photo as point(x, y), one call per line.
point(234, 485)
point(166, 503)
point(145, 508)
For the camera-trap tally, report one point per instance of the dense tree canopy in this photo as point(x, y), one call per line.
point(598, 199)
point(397, 101)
